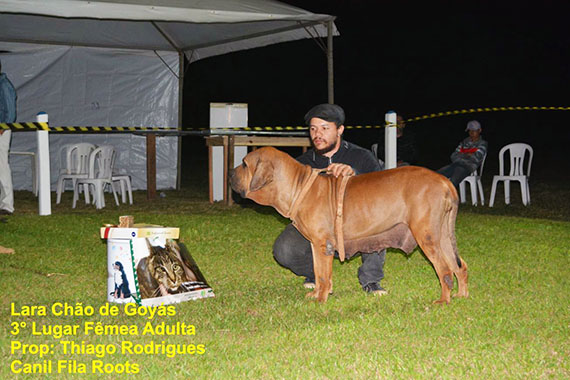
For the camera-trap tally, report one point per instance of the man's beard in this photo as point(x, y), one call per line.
point(326, 149)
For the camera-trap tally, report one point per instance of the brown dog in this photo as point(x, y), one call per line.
point(397, 208)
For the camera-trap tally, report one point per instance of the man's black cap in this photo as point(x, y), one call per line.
point(329, 112)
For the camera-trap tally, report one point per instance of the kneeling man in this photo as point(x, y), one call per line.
point(339, 157)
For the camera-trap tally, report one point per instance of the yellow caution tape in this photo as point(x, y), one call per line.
point(413, 119)
point(81, 129)
point(486, 109)
point(106, 129)
point(25, 126)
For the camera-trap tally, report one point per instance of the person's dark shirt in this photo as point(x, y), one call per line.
point(406, 147)
point(359, 159)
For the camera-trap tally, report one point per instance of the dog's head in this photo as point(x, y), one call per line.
point(254, 178)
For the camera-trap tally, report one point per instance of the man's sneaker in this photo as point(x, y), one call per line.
point(309, 283)
point(375, 289)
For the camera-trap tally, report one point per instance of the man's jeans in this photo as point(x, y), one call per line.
point(456, 172)
point(293, 251)
point(6, 188)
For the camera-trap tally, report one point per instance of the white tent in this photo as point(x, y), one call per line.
point(120, 62)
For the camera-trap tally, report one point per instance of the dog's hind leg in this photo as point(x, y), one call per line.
point(444, 272)
point(449, 249)
point(457, 265)
point(322, 266)
point(428, 234)
point(462, 276)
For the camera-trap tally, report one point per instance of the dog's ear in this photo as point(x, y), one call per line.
point(262, 176)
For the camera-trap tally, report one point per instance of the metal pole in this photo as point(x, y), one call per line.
point(180, 110)
point(330, 67)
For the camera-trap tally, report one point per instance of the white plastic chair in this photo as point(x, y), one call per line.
point(101, 163)
point(75, 165)
point(517, 152)
point(125, 188)
point(122, 184)
point(62, 157)
point(474, 181)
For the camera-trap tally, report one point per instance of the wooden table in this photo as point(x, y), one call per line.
point(229, 142)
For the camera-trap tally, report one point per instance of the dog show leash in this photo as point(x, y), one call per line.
point(341, 188)
point(304, 190)
point(338, 225)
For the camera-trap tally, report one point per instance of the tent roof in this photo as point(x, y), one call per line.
point(198, 28)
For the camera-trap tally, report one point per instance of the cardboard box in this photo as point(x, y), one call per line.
point(148, 266)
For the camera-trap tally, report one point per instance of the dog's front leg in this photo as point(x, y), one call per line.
point(322, 266)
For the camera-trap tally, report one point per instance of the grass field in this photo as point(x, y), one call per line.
point(515, 324)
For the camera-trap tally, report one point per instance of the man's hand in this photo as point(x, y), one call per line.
point(340, 170)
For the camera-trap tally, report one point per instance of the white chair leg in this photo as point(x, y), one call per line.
point(493, 190)
point(473, 187)
point(59, 190)
point(125, 188)
point(462, 191)
point(523, 192)
point(480, 186)
point(117, 186)
point(527, 191)
point(100, 202)
point(75, 195)
point(130, 190)
point(115, 194)
point(123, 191)
point(86, 194)
point(507, 192)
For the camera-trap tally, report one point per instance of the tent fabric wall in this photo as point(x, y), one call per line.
point(94, 62)
point(93, 87)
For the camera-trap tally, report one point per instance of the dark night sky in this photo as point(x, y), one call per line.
point(415, 60)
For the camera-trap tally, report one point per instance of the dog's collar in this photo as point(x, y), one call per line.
point(304, 190)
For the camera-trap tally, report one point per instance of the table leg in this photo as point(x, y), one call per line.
point(150, 166)
point(229, 200)
point(210, 174)
point(225, 179)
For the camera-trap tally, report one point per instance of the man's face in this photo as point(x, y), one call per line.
point(474, 134)
point(325, 136)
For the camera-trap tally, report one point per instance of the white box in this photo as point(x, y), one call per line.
point(143, 261)
point(224, 115)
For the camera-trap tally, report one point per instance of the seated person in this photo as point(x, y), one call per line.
point(405, 145)
point(467, 156)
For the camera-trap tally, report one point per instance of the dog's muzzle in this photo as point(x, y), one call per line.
point(234, 183)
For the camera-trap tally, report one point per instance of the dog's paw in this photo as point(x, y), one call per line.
point(312, 294)
point(322, 298)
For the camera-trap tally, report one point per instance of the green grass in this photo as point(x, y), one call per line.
point(515, 324)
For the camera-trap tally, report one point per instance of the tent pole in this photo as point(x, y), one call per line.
point(180, 110)
point(180, 96)
point(330, 68)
